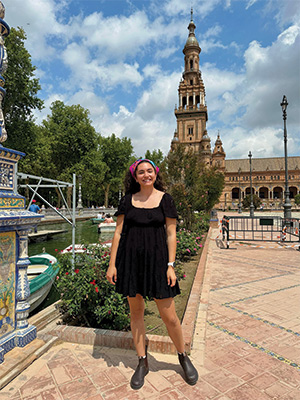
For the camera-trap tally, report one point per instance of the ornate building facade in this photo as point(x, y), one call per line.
point(268, 174)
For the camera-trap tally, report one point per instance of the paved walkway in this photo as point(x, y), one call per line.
point(246, 341)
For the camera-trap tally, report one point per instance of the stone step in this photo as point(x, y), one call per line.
point(44, 317)
point(18, 359)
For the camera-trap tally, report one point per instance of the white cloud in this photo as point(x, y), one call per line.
point(38, 18)
point(204, 8)
point(262, 142)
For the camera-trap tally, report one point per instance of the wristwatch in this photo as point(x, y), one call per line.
point(172, 264)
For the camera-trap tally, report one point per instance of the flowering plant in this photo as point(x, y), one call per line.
point(86, 295)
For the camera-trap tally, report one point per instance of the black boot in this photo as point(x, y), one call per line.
point(190, 372)
point(137, 380)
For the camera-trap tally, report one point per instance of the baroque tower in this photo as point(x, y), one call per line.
point(191, 113)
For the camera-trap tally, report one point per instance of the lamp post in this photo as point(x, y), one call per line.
point(287, 204)
point(251, 194)
point(79, 205)
point(240, 206)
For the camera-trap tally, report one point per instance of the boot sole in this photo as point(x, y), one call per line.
point(139, 386)
point(192, 383)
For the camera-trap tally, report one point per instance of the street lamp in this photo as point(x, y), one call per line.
point(251, 194)
point(287, 204)
point(79, 205)
point(240, 206)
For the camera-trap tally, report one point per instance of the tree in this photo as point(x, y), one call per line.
point(157, 156)
point(193, 186)
point(21, 94)
point(70, 135)
point(297, 199)
point(117, 154)
point(247, 201)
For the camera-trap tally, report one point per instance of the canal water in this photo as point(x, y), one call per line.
point(86, 233)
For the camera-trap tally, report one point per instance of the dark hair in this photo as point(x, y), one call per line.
point(131, 185)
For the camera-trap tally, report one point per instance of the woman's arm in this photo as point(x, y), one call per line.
point(111, 274)
point(171, 242)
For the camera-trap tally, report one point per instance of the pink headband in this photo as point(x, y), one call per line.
point(133, 166)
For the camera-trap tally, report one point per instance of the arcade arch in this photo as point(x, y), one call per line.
point(263, 192)
point(277, 193)
point(293, 191)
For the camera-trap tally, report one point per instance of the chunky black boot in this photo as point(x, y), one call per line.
point(137, 380)
point(190, 372)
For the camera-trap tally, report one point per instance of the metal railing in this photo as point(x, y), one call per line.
point(270, 229)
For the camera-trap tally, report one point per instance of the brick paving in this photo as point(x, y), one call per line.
point(246, 342)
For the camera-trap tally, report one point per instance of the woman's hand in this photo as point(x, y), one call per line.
point(111, 275)
point(171, 276)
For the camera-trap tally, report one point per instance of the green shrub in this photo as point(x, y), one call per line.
point(86, 295)
point(188, 244)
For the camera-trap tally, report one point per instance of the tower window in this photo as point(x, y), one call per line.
point(191, 64)
point(191, 81)
point(190, 131)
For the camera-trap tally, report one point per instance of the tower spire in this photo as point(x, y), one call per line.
point(191, 113)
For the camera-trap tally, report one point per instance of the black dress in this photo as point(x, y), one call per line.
point(142, 256)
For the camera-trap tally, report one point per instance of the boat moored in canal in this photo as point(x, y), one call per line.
point(41, 274)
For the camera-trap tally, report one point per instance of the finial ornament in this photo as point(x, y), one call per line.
point(191, 14)
point(4, 31)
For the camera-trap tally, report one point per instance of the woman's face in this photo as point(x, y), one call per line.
point(145, 174)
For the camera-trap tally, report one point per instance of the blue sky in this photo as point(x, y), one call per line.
point(123, 60)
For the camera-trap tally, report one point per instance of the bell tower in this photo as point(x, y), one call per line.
point(191, 114)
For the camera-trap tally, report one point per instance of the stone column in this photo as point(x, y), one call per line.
point(25, 333)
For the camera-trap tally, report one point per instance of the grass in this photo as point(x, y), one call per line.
point(153, 322)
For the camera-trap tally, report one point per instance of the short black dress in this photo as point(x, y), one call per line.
point(142, 255)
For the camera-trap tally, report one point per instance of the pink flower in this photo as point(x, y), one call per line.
point(184, 276)
point(57, 278)
point(76, 271)
point(56, 250)
point(203, 235)
point(195, 249)
point(188, 250)
point(177, 241)
point(198, 237)
point(200, 245)
point(109, 312)
point(67, 273)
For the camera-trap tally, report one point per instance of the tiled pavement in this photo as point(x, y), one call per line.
point(246, 341)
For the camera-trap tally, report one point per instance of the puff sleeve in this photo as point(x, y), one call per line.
point(168, 206)
point(121, 207)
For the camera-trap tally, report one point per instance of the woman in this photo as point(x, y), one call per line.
point(143, 259)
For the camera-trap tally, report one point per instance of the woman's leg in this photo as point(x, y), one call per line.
point(166, 308)
point(137, 308)
point(168, 314)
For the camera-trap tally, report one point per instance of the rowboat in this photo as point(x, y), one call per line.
point(96, 220)
point(80, 248)
point(107, 227)
point(41, 274)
